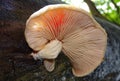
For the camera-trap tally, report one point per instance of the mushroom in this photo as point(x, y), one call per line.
point(62, 27)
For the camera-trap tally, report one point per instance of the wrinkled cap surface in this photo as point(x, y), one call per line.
point(83, 39)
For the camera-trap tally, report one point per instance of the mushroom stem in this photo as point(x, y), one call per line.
point(49, 51)
point(35, 56)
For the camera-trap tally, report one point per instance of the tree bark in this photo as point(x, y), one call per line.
point(93, 9)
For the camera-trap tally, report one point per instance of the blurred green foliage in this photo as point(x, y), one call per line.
point(110, 9)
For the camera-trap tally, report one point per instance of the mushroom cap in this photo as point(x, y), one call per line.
point(49, 64)
point(83, 39)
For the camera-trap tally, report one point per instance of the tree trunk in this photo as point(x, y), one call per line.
point(93, 9)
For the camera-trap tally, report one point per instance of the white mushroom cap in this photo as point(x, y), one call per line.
point(49, 65)
point(82, 39)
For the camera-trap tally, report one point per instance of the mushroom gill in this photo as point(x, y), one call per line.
point(61, 27)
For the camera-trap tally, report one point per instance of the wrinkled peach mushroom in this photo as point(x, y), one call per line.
point(62, 27)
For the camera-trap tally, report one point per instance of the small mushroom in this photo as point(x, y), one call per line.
point(62, 27)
